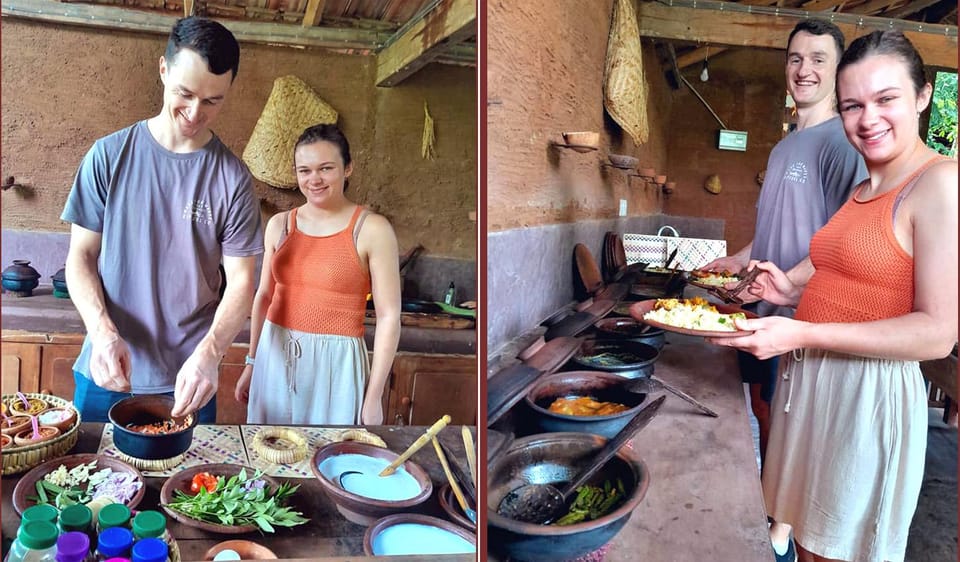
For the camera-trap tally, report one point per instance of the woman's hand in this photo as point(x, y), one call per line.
point(371, 413)
point(242, 391)
point(773, 285)
point(772, 336)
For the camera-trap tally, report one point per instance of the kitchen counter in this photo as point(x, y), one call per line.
point(327, 536)
point(704, 501)
point(43, 313)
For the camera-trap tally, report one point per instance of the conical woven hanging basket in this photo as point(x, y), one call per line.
point(292, 107)
point(624, 86)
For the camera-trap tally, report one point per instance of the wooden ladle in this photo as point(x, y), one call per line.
point(543, 503)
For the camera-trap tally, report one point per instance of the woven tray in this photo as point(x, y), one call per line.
point(17, 459)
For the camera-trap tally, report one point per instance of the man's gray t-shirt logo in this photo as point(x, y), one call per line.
point(198, 212)
point(796, 173)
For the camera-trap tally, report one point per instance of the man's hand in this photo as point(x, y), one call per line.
point(372, 412)
point(196, 382)
point(110, 362)
point(733, 264)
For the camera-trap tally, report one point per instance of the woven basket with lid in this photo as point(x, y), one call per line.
point(292, 107)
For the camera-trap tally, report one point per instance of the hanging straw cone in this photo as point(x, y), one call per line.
point(624, 86)
point(292, 107)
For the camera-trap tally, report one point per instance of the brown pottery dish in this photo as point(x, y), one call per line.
point(181, 481)
point(27, 436)
point(68, 415)
point(360, 509)
point(450, 506)
point(248, 550)
point(384, 523)
point(14, 425)
point(27, 485)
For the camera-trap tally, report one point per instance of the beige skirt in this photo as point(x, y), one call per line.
point(845, 458)
point(309, 379)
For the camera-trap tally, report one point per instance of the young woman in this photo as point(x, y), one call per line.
point(846, 453)
point(320, 261)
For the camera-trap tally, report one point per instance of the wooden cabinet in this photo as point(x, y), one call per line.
point(20, 366)
point(56, 369)
point(424, 387)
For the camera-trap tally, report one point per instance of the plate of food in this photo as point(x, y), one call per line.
point(692, 317)
point(83, 478)
point(229, 499)
point(712, 279)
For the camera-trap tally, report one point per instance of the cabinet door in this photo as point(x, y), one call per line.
point(228, 409)
point(19, 367)
point(438, 385)
point(56, 369)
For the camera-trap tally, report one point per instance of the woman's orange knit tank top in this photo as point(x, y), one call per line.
point(321, 286)
point(862, 272)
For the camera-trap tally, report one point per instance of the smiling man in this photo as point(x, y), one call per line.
point(810, 174)
point(156, 208)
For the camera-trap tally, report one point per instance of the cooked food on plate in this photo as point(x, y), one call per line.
point(692, 314)
point(713, 278)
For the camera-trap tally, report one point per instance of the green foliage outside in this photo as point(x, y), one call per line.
point(942, 132)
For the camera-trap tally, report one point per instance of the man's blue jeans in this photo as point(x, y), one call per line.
point(94, 402)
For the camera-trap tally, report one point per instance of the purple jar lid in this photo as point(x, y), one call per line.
point(73, 545)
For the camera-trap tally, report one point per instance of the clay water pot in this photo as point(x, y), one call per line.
point(20, 279)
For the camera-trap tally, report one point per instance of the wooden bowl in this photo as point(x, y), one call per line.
point(67, 414)
point(27, 485)
point(450, 506)
point(181, 481)
point(14, 425)
point(360, 509)
point(582, 138)
point(26, 437)
point(248, 550)
point(371, 546)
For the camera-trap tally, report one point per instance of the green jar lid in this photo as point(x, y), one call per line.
point(40, 512)
point(77, 517)
point(149, 524)
point(113, 515)
point(38, 535)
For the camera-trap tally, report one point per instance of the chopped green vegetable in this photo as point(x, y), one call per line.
point(593, 502)
point(240, 501)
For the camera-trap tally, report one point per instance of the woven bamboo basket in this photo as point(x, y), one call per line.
point(292, 107)
point(20, 459)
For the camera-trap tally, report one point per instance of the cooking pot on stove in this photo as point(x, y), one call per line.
point(621, 328)
point(145, 409)
point(625, 358)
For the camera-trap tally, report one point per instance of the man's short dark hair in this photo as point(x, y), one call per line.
point(211, 40)
point(819, 27)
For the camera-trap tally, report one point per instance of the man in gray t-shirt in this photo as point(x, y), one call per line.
point(810, 174)
point(155, 209)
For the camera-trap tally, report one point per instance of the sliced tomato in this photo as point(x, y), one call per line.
point(203, 480)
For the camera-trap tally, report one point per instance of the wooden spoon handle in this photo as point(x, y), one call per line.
point(639, 421)
point(420, 442)
point(471, 453)
point(446, 470)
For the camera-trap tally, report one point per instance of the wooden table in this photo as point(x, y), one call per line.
point(328, 535)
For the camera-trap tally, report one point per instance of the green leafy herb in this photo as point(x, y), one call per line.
point(240, 501)
point(593, 502)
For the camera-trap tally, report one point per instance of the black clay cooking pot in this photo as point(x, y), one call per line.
point(602, 387)
point(621, 328)
point(145, 409)
point(600, 355)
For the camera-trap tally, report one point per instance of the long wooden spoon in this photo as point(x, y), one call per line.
point(471, 453)
point(420, 442)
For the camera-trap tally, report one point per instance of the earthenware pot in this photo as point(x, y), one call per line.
point(146, 409)
point(602, 387)
point(20, 279)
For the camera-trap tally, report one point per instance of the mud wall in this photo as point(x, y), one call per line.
point(746, 89)
point(63, 87)
point(544, 77)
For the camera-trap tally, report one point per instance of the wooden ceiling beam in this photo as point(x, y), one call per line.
point(911, 8)
point(697, 56)
point(419, 42)
point(873, 7)
point(313, 13)
point(757, 30)
point(821, 5)
point(111, 17)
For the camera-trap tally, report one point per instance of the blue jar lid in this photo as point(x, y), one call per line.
point(150, 550)
point(115, 541)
